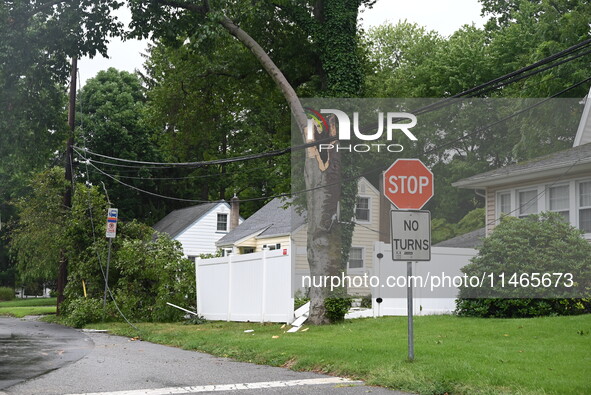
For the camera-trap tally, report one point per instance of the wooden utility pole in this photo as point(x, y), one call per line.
point(62, 276)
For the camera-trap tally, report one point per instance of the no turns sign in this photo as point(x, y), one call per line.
point(411, 235)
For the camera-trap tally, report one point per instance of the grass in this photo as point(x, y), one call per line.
point(452, 354)
point(23, 307)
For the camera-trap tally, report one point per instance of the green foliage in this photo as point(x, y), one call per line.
point(144, 274)
point(37, 240)
point(337, 307)
point(6, 293)
point(83, 311)
point(521, 308)
point(366, 301)
point(152, 273)
point(219, 77)
point(111, 117)
point(443, 230)
point(37, 41)
point(542, 243)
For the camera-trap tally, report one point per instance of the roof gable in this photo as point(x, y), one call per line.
point(273, 219)
point(571, 160)
point(583, 135)
point(179, 220)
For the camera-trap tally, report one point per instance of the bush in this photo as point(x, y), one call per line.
point(541, 244)
point(521, 308)
point(6, 293)
point(366, 301)
point(145, 273)
point(84, 311)
point(337, 307)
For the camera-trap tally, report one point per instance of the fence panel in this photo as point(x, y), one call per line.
point(251, 287)
point(445, 264)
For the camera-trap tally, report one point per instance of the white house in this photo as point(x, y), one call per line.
point(198, 228)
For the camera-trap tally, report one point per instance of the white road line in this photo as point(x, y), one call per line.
point(229, 387)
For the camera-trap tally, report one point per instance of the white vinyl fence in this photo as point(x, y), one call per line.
point(445, 264)
point(251, 287)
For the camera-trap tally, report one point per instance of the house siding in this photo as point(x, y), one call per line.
point(200, 237)
point(365, 234)
point(283, 240)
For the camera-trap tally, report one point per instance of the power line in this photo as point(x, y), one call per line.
point(496, 83)
point(194, 177)
point(350, 178)
point(508, 117)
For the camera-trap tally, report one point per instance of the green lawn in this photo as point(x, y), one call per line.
point(33, 306)
point(452, 354)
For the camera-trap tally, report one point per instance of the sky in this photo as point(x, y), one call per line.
point(443, 16)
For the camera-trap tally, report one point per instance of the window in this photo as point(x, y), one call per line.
point(558, 201)
point(222, 223)
point(247, 250)
point(356, 258)
point(585, 206)
point(362, 209)
point(504, 203)
point(272, 247)
point(528, 203)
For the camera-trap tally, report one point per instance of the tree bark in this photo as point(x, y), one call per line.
point(323, 189)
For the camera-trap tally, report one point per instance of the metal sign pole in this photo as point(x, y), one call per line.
point(107, 273)
point(411, 347)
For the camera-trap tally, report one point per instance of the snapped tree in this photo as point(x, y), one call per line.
point(332, 25)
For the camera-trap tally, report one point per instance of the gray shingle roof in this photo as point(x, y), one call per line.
point(178, 220)
point(575, 156)
point(271, 220)
point(468, 240)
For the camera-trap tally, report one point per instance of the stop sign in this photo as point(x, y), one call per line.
point(408, 184)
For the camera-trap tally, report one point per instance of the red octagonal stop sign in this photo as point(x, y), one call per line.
point(408, 184)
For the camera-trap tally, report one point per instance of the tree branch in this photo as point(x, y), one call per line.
point(271, 68)
point(187, 6)
point(260, 54)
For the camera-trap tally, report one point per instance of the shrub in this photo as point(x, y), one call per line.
point(541, 244)
point(366, 301)
point(84, 311)
point(145, 273)
point(521, 308)
point(6, 293)
point(337, 307)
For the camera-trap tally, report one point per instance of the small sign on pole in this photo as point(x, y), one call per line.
point(112, 216)
point(411, 241)
point(411, 235)
point(112, 223)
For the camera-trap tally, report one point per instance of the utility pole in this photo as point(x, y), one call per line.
point(62, 276)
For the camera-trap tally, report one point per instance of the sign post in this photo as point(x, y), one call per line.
point(112, 217)
point(408, 184)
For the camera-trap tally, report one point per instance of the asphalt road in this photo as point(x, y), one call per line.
point(29, 348)
point(121, 366)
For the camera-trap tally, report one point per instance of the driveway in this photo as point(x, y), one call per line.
point(122, 366)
